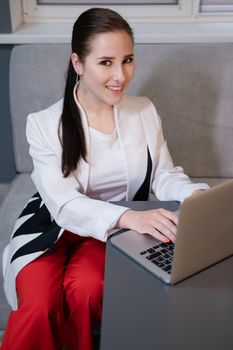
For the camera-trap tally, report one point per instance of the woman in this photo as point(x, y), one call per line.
point(94, 146)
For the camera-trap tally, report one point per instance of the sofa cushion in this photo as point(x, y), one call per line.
point(37, 79)
point(191, 86)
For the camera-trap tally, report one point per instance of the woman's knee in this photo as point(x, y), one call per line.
point(42, 305)
point(87, 292)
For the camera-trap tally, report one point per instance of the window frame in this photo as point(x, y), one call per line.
point(34, 13)
point(182, 23)
point(184, 11)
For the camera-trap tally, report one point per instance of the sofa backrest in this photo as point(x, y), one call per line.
point(190, 84)
point(37, 79)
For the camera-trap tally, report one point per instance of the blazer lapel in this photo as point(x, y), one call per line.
point(133, 142)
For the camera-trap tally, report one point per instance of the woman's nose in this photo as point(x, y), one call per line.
point(119, 74)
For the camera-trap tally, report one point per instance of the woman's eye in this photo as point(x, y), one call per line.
point(128, 60)
point(105, 63)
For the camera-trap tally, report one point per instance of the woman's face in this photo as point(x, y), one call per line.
point(108, 68)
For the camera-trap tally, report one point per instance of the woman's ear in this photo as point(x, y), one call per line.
point(78, 67)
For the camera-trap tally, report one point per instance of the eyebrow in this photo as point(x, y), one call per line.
point(112, 58)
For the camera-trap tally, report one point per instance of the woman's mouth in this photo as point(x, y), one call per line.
point(115, 88)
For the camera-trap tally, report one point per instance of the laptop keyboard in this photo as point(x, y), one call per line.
point(161, 255)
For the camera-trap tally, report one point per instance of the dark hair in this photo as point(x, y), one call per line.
point(89, 24)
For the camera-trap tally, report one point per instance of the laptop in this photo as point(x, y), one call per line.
point(204, 236)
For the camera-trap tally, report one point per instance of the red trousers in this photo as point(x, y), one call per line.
point(60, 297)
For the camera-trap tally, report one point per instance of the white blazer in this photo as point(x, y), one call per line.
point(139, 129)
point(138, 126)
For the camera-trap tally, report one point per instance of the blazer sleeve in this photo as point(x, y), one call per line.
point(169, 182)
point(71, 209)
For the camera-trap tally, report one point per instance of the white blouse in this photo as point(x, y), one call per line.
point(107, 177)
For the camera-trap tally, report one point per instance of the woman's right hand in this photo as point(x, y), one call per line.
point(159, 223)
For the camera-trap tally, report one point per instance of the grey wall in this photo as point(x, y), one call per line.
point(5, 21)
point(7, 167)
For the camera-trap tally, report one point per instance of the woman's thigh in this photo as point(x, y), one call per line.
point(86, 262)
point(84, 274)
point(40, 283)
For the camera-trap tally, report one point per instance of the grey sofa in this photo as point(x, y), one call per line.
point(190, 84)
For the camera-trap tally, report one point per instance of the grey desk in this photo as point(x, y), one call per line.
point(142, 313)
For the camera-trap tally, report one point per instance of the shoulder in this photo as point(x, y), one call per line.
point(136, 103)
point(140, 106)
point(45, 123)
point(48, 115)
point(46, 118)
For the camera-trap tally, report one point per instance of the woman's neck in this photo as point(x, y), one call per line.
point(99, 116)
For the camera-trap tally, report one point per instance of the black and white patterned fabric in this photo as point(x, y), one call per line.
point(35, 231)
point(35, 219)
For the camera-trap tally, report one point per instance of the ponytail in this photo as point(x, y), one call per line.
point(71, 133)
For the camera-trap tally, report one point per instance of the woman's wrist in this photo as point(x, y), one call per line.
point(125, 219)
